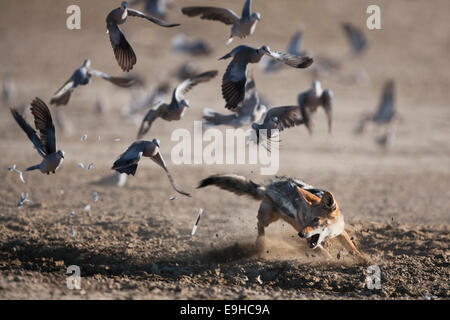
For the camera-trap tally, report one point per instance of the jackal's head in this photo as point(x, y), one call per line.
point(324, 220)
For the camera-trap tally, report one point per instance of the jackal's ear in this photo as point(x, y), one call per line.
point(328, 201)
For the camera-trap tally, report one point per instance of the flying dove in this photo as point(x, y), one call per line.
point(175, 110)
point(45, 143)
point(180, 44)
point(276, 120)
point(235, 77)
point(241, 27)
point(386, 109)
point(123, 52)
point(82, 76)
point(128, 161)
point(356, 37)
point(310, 100)
point(252, 110)
point(271, 65)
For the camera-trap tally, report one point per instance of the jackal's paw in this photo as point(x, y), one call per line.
point(365, 261)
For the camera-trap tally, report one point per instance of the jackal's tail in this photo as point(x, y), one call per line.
point(237, 184)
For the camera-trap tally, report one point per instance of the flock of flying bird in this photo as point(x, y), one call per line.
point(238, 88)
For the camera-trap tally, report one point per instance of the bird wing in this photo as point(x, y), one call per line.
point(151, 116)
point(118, 81)
point(44, 123)
point(158, 159)
point(246, 10)
point(327, 99)
point(281, 118)
point(124, 53)
point(212, 13)
point(290, 59)
point(188, 84)
point(356, 37)
point(62, 95)
point(128, 161)
point(295, 43)
point(136, 13)
point(305, 112)
point(31, 133)
point(386, 111)
point(233, 82)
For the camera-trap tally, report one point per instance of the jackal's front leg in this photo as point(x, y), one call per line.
point(347, 242)
point(266, 215)
point(324, 251)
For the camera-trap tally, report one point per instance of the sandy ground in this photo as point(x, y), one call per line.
point(135, 243)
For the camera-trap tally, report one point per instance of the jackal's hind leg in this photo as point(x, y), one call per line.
point(267, 214)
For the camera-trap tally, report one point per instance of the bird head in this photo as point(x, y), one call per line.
point(256, 16)
point(61, 153)
point(255, 128)
point(317, 86)
point(87, 63)
point(156, 141)
point(262, 109)
point(184, 103)
point(124, 5)
point(265, 49)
